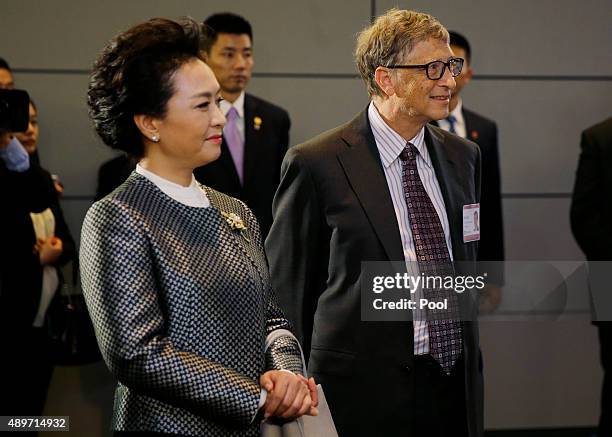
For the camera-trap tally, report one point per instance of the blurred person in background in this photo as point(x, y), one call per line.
point(113, 173)
point(256, 135)
point(6, 75)
point(12, 153)
point(29, 140)
point(591, 221)
point(37, 242)
point(483, 131)
point(8, 82)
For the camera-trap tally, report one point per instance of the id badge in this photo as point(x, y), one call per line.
point(471, 222)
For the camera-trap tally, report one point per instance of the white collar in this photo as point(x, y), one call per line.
point(238, 104)
point(457, 112)
point(391, 144)
point(192, 195)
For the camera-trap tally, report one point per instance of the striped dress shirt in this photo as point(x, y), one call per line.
point(390, 144)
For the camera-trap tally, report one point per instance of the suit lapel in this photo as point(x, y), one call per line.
point(363, 169)
point(228, 163)
point(443, 158)
point(250, 147)
point(471, 131)
point(251, 139)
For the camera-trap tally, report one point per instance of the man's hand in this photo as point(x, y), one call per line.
point(49, 250)
point(289, 396)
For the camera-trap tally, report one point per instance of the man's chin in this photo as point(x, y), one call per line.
point(234, 87)
point(439, 115)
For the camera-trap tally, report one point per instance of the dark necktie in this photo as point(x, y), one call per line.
point(433, 259)
point(451, 121)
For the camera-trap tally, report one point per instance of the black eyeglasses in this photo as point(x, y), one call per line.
point(435, 69)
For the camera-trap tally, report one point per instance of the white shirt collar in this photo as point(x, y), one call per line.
point(390, 144)
point(457, 112)
point(193, 195)
point(238, 104)
point(460, 128)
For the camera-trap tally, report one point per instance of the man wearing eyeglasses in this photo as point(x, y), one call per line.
point(385, 186)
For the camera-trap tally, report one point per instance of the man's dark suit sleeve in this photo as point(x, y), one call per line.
point(294, 249)
point(107, 179)
point(113, 173)
point(286, 129)
point(492, 246)
point(284, 144)
point(589, 226)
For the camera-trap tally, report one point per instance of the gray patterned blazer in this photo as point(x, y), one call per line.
point(182, 306)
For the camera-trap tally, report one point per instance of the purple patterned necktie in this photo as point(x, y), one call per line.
point(234, 142)
point(433, 259)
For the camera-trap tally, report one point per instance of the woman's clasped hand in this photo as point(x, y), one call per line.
point(289, 395)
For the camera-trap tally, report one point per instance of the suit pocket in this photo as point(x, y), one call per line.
point(326, 361)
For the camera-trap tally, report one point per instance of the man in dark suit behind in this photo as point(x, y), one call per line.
point(256, 135)
point(591, 220)
point(113, 173)
point(473, 126)
point(366, 191)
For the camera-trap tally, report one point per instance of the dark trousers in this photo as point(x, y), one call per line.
point(25, 373)
point(605, 343)
point(441, 408)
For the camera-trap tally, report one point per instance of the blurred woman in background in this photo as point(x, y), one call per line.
point(29, 140)
point(37, 242)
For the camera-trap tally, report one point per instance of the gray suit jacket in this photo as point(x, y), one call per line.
point(332, 211)
point(182, 305)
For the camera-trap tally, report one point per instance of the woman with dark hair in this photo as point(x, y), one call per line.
point(37, 242)
point(29, 140)
point(174, 273)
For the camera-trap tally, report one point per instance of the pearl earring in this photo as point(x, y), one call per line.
point(155, 138)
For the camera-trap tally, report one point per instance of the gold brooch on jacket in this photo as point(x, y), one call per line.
point(235, 223)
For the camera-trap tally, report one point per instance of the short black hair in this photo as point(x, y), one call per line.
point(133, 75)
point(456, 39)
point(226, 22)
point(5, 65)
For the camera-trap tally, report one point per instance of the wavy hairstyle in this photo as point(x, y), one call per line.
point(134, 75)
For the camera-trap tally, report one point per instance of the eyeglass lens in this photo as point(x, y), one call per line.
point(435, 70)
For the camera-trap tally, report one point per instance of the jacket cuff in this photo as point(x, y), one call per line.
point(283, 352)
